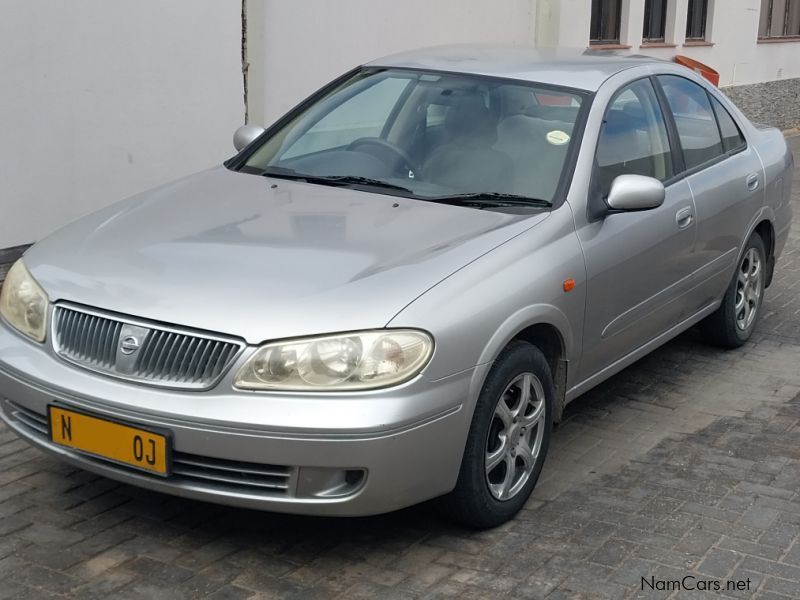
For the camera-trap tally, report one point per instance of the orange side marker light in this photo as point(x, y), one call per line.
point(569, 285)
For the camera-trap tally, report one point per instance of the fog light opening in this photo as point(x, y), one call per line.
point(353, 477)
point(320, 482)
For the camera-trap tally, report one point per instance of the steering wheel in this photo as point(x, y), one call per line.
point(398, 160)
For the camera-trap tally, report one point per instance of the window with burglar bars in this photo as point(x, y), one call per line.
point(655, 20)
point(696, 21)
point(779, 19)
point(605, 21)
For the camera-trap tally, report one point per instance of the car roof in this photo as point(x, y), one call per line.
point(580, 68)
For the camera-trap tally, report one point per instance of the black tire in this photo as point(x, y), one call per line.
point(472, 503)
point(721, 328)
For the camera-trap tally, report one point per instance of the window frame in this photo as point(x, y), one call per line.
point(676, 152)
point(648, 22)
point(703, 14)
point(716, 102)
point(783, 35)
point(688, 172)
point(676, 148)
point(602, 41)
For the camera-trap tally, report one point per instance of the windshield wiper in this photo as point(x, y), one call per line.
point(334, 180)
point(491, 200)
point(354, 180)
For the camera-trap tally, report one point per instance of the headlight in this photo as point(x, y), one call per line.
point(23, 303)
point(350, 361)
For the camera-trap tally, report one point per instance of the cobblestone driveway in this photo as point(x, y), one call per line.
point(687, 463)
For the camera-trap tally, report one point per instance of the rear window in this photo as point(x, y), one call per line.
point(694, 118)
point(732, 138)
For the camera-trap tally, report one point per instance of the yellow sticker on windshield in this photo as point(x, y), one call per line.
point(557, 137)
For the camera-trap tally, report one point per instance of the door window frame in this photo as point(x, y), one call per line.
point(680, 171)
point(715, 102)
point(594, 195)
point(670, 118)
point(677, 161)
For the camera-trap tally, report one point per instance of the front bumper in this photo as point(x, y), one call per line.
point(343, 455)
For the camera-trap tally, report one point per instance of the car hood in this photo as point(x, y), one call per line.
point(264, 258)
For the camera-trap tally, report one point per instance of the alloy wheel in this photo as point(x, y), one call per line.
point(515, 436)
point(748, 289)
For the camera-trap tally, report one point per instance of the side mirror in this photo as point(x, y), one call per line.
point(635, 192)
point(246, 134)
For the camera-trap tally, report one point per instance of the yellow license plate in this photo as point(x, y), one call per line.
point(107, 439)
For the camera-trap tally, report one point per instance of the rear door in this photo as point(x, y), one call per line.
point(726, 180)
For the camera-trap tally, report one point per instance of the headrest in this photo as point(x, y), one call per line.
point(468, 120)
point(618, 122)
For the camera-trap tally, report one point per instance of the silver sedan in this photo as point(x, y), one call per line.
point(390, 294)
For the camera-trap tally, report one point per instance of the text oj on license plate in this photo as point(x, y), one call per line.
point(108, 439)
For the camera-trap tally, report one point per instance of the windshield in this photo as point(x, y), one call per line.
point(428, 135)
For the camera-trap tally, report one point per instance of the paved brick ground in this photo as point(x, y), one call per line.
point(686, 464)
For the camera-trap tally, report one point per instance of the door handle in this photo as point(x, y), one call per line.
point(684, 217)
point(752, 182)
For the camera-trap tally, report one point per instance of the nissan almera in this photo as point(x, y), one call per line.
point(390, 294)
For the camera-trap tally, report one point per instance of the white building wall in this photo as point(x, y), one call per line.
point(102, 99)
point(732, 30)
point(296, 47)
point(563, 23)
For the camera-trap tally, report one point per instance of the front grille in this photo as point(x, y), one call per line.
point(141, 351)
point(203, 471)
point(266, 478)
point(34, 423)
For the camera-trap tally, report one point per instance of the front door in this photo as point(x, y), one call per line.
point(638, 263)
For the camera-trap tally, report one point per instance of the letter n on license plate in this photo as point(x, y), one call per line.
point(111, 440)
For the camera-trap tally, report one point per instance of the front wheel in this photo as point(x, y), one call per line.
point(734, 321)
point(508, 440)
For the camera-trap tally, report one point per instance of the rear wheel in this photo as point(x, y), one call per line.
point(734, 321)
point(508, 440)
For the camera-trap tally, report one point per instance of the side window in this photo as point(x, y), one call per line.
point(633, 139)
point(363, 115)
point(694, 118)
point(732, 138)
